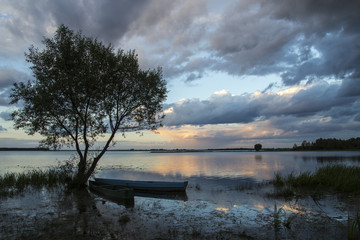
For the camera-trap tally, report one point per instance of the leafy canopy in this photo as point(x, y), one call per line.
point(83, 89)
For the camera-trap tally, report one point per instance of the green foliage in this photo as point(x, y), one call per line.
point(278, 181)
point(341, 178)
point(13, 183)
point(277, 215)
point(354, 227)
point(83, 90)
point(329, 144)
point(258, 147)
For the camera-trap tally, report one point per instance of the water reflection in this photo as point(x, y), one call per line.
point(222, 195)
point(258, 157)
point(128, 203)
point(166, 195)
point(212, 165)
point(260, 166)
point(332, 159)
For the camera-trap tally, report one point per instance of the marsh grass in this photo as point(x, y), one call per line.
point(277, 215)
point(340, 178)
point(354, 227)
point(13, 183)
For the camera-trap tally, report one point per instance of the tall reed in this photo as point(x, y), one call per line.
point(341, 178)
point(17, 182)
point(354, 227)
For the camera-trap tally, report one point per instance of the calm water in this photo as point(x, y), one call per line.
point(209, 169)
point(216, 199)
point(257, 166)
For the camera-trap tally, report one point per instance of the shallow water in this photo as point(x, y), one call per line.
point(227, 192)
point(256, 165)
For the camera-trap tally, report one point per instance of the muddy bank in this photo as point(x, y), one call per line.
point(51, 214)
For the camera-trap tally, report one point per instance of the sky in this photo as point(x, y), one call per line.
point(274, 72)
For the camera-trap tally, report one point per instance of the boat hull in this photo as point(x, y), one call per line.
point(112, 192)
point(146, 186)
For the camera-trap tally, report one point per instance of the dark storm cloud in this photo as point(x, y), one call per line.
point(106, 20)
point(350, 87)
point(303, 40)
point(177, 32)
point(321, 16)
point(303, 128)
point(9, 76)
point(300, 40)
point(321, 99)
point(217, 109)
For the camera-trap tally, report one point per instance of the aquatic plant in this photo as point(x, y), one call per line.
point(277, 215)
point(12, 183)
point(288, 221)
point(341, 178)
point(286, 193)
point(278, 180)
point(354, 227)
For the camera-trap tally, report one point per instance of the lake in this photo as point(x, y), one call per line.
point(206, 170)
point(251, 166)
point(227, 187)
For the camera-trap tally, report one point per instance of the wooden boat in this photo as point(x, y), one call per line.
point(112, 192)
point(146, 186)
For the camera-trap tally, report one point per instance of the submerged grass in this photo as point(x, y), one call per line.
point(354, 227)
point(341, 178)
point(12, 183)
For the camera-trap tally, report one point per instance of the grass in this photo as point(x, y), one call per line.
point(354, 227)
point(277, 215)
point(340, 178)
point(12, 183)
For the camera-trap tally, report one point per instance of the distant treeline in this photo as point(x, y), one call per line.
point(329, 144)
point(24, 149)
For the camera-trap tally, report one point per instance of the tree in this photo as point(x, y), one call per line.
point(84, 90)
point(258, 147)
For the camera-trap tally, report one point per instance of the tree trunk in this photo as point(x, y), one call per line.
point(80, 180)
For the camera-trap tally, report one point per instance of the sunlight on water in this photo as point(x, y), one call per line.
point(226, 189)
point(225, 165)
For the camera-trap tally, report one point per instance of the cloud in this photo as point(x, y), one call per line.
point(278, 131)
point(300, 112)
point(9, 76)
point(107, 20)
point(2, 129)
point(350, 87)
point(15, 142)
point(5, 115)
point(302, 40)
point(313, 46)
point(223, 107)
point(173, 36)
